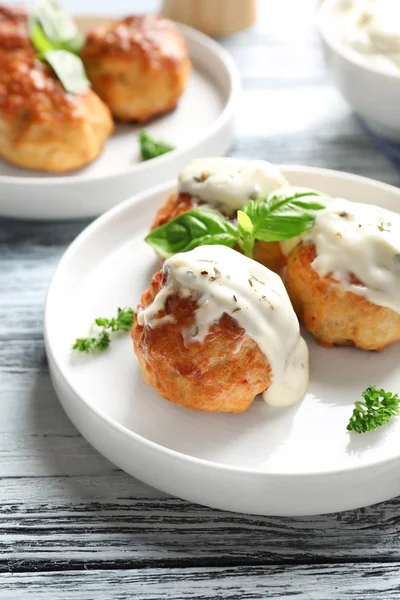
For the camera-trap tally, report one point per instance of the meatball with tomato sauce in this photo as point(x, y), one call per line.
point(42, 126)
point(139, 66)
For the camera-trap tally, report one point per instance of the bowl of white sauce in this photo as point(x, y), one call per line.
point(361, 43)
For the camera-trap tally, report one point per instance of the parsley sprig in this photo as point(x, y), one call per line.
point(377, 409)
point(151, 148)
point(99, 342)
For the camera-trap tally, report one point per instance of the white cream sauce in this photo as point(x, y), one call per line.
point(224, 281)
point(362, 239)
point(371, 28)
point(227, 183)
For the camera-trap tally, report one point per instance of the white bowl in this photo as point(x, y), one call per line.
point(292, 461)
point(373, 94)
point(201, 125)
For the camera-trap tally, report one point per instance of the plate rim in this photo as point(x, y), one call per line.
point(226, 114)
point(97, 224)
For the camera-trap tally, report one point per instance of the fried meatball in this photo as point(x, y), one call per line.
point(268, 254)
point(335, 316)
point(215, 329)
point(210, 377)
point(15, 40)
point(138, 66)
point(42, 126)
point(213, 376)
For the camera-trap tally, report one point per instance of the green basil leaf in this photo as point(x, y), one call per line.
point(151, 148)
point(39, 40)
point(246, 233)
point(57, 25)
point(69, 70)
point(198, 227)
point(284, 214)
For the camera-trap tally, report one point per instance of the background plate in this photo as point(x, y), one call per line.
point(201, 125)
point(299, 460)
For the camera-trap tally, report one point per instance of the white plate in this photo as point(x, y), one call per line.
point(294, 461)
point(201, 125)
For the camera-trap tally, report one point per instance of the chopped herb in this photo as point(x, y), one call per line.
point(250, 282)
point(151, 148)
point(234, 297)
point(377, 409)
point(212, 278)
point(123, 322)
point(204, 272)
point(236, 310)
point(190, 272)
point(259, 280)
point(381, 226)
point(195, 331)
point(344, 214)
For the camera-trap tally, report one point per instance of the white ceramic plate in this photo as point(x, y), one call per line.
point(299, 460)
point(201, 125)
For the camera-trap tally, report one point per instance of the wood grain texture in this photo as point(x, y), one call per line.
point(71, 521)
point(306, 582)
point(114, 521)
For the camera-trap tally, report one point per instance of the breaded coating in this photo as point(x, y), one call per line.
point(138, 66)
point(15, 40)
point(334, 316)
point(42, 126)
point(222, 374)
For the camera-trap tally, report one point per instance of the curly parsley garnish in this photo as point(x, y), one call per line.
point(376, 410)
point(151, 148)
point(101, 341)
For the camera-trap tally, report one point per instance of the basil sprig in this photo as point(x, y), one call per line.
point(69, 70)
point(284, 214)
point(197, 227)
point(56, 24)
point(57, 42)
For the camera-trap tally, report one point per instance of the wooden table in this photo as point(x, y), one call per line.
point(72, 526)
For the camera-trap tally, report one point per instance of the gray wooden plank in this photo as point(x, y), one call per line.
point(65, 507)
point(323, 582)
point(114, 521)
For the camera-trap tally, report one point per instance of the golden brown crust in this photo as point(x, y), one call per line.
point(14, 35)
point(176, 204)
point(336, 317)
point(42, 126)
point(138, 65)
point(222, 374)
point(268, 254)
